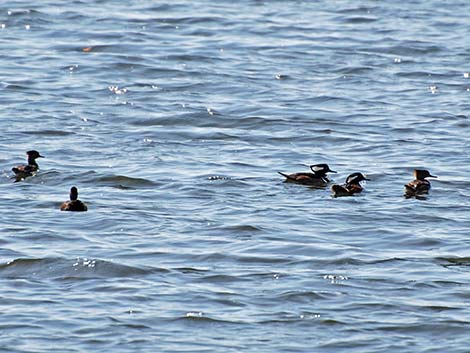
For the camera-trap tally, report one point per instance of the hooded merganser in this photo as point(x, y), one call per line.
point(74, 204)
point(23, 171)
point(420, 186)
point(317, 178)
point(350, 187)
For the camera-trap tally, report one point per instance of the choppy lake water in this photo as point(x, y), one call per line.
point(173, 118)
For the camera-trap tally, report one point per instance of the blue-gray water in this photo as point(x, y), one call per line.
point(192, 242)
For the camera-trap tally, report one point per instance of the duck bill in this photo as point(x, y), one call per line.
point(433, 176)
point(332, 171)
point(41, 156)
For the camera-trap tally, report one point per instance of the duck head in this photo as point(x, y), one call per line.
point(422, 174)
point(321, 169)
point(355, 178)
point(33, 154)
point(73, 193)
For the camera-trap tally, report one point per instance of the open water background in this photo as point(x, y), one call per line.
point(192, 242)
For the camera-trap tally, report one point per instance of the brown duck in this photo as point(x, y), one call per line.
point(316, 178)
point(351, 186)
point(24, 171)
point(74, 204)
point(420, 186)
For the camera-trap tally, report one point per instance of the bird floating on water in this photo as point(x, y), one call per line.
point(318, 176)
point(420, 186)
point(24, 171)
point(74, 204)
point(351, 186)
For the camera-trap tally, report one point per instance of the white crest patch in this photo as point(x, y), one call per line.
point(351, 178)
point(317, 168)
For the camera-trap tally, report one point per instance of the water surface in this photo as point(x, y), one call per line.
point(173, 120)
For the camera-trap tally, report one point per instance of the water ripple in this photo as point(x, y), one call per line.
point(173, 119)
point(57, 268)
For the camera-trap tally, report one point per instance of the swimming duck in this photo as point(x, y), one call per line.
point(23, 171)
point(351, 186)
point(317, 178)
point(420, 186)
point(74, 204)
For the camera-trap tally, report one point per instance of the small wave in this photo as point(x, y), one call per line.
point(220, 257)
point(352, 261)
point(191, 270)
point(29, 13)
point(200, 317)
point(229, 182)
point(242, 228)
point(421, 74)
point(301, 296)
point(123, 182)
point(252, 122)
point(290, 318)
point(455, 261)
point(18, 86)
point(192, 57)
point(220, 279)
point(262, 260)
point(354, 70)
point(359, 19)
point(358, 10)
point(432, 326)
point(48, 133)
point(193, 20)
point(58, 268)
point(326, 98)
point(218, 177)
point(410, 48)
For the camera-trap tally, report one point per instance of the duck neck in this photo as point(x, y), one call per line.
point(32, 161)
point(323, 177)
point(73, 195)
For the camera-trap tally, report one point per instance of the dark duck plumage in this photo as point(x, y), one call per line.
point(420, 186)
point(316, 178)
point(351, 186)
point(74, 204)
point(24, 171)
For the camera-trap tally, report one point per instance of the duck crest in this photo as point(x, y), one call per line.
point(320, 168)
point(355, 178)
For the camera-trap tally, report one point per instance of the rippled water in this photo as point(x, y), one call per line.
point(173, 119)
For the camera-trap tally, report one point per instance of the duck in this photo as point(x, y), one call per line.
point(351, 186)
point(74, 204)
point(318, 176)
point(24, 171)
point(420, 186)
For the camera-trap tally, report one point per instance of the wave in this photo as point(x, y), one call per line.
point(60, 268)
point(121, 181)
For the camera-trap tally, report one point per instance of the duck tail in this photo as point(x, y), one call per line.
point(286, 176)
point(17, 178)
point(409, 191)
